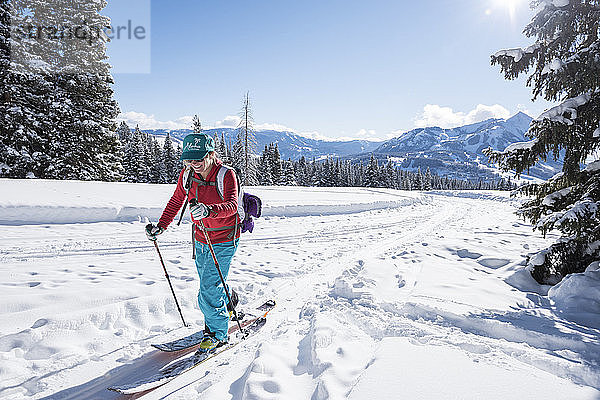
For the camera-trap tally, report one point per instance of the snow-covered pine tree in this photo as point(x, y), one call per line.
point(317, 171)
point(326, 173)
point(390, 181)
point(329, 172)
point(217, 140)
point(196, 124)
point(178, 164)
point(87, 147)
point(61, 119)
point(351, 171)
point(25, 99)
point(247, 143)
point(288, 178)
point(344, 174)
point(436, 182)
point(221, 147)
point(264, 168)
point(123, 132)
point(301, 172)
point(360, 173)
point(565, 64)
point(397, 179)
point(157, 166)
point(427, 179)
point(149, 156)
point(407, 181)
point(275, 161)
point(371, 176)
point(338, 179)
point(129, 173)
point(139, 157)
point(332, 176)
point(168, 159)
point(418, 178)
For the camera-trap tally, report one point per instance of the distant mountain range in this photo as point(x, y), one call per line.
point(291, 145)
point(456, 152)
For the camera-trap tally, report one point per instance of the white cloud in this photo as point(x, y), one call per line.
point(364, 133)
point(445, 117)
point(314, 135)
point(273, 127)
point(360, 135)
point(145, 121)
point(230, 121)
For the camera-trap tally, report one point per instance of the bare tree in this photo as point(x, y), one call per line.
point(197, 125)
point(245, 146)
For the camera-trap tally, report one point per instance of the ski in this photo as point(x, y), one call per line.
point(180, 366)
point(196, 337)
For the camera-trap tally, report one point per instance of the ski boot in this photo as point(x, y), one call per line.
point(209, 342)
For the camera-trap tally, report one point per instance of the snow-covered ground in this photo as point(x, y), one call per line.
point(381, 294)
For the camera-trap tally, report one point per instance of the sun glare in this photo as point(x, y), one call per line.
point(511, 6)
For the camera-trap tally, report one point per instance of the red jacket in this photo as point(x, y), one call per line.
point(223, 212)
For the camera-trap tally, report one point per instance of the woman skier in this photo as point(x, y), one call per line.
point(220, 217)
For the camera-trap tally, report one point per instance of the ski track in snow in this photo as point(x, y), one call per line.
point(426, 279)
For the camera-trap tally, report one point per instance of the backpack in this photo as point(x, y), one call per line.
point(248, 206)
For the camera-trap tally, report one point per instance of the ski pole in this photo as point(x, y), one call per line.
point(186, 185)
point(169, 280)
point(182, 211)
point(212, 252)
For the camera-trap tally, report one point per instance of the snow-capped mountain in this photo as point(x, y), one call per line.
point(471, 139)
point(458, 152)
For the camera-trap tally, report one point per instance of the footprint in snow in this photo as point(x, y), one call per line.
point(39, 323)
point(464, 253)
point(493, 262)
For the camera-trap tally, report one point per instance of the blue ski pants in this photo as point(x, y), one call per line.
point(211, 296)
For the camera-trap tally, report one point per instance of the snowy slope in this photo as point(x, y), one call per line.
point(458, 152)
point(473, 138)
point(381, 294)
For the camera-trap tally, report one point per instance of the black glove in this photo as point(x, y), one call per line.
point(153, 230)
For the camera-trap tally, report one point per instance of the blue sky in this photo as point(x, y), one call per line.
point(334, 68)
